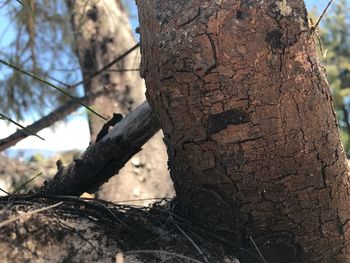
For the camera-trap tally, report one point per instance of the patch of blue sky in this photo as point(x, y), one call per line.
point(7, 28)
point(319, 4)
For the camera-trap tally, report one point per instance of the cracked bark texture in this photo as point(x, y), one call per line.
point(102, 33)
point(249, 124)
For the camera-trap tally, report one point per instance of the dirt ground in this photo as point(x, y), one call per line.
point(38, 228)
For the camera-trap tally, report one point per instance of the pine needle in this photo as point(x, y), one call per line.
point(25, 183)
point(2, 190)
point(159, 252)
point(51, 85)
point(322, 15)
point(2, 116)
point(20, 2)
point(257, 249)
point(28, 214)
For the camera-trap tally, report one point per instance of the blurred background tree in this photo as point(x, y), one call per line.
point(64, 42)
point(334, 34)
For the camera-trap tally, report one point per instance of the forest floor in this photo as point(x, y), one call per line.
point(38, 228)
point(21, 175)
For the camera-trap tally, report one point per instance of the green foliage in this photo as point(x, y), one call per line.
point(39, 41)
point(345, 137)
point(61, 90)
point(335, 38)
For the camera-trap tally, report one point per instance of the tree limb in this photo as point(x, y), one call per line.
point(105, 158)
point(49, 119)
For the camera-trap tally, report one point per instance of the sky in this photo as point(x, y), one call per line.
point(320, 4)
point(73, 134)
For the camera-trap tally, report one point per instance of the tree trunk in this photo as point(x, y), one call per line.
point(249, 125)
point(102, 33)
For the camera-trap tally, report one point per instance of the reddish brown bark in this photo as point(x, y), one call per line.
point(249, 124)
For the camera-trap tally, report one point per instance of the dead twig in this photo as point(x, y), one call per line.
point(26, 129)
point(104, 68)
point(173, 254)
point(258, 250)
point(193, 243)
point(28, 214)
point(63, 91)
point(27, 182)
point(49, 119)
point(144, 199)
point(95, 203)
point(322, 15)
point(2, 190)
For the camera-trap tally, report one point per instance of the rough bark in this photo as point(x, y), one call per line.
point(249, 125)
point(102, 32)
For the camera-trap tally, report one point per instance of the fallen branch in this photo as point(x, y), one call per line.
point(105, 158)
point(49, 119)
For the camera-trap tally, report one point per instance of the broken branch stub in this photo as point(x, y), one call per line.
point(105, 158)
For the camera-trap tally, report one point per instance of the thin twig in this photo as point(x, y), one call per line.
point(58, 81)
point(87, 202)
point(110, 64)
point(323, 13)
point(144, 199)
point(258, 250)
point(112, 214)
point(162, 252)
point(2, 116)
point(154, 240)
point(193, 243)
point(49, 119)
point(2, 190)
point(28, 214)
point(20, 2)
point(27, 182)
point(63, 91)
point(124, 70)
